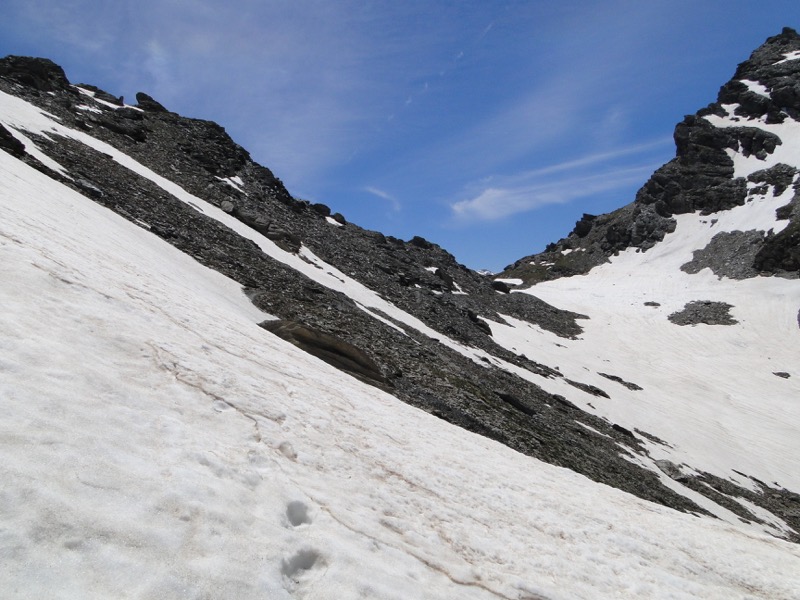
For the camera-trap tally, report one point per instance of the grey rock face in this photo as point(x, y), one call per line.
point(11, 144)
point(699, 179)
point(704, 311)
point(729, 254)
point(331, 349)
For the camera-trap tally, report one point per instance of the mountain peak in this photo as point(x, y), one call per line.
point(214, 306)
point(763, 94)
point(41, 74)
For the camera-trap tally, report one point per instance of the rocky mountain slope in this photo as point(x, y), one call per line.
point(405, 317)
point(158, 444)
point(760, 106)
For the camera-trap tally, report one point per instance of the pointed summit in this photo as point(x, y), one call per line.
point(755, 114)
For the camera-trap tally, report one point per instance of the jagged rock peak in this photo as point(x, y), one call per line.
point(764, 89)
point(146, 102)
point(771, 52)
point(41, 74)
point(768, 67)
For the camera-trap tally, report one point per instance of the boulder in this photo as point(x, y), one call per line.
point(147, 103)
point(321, 209)
point(501, 286)
point(329, 348)
point(11, 144)
point(38, 73)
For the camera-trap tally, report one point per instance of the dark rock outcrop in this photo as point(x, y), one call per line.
point(699, 178)
point(11, 144)
point(333, 350)
point(780, 177)
point(147, 103)
point(707, 312)
point(39, 74)
point(621, 381)
point(780, 253)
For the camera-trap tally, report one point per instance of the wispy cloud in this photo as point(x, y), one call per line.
point(393, 202)
point(576, 90)
point(495, 203)
point(311, 78)
point(596, 159)
point(497, 198)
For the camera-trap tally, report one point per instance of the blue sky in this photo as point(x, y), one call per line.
point(486, 126)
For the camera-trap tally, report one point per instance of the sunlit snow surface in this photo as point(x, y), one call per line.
point(156, 443)
point(756, 87)
point(794, 55)
point(709, 391)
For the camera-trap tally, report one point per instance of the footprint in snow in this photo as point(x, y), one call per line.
point(288, 451)
point(302, 568)
point(297, 513)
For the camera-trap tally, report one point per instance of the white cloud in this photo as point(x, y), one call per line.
point(395, 204)
point(497, 202)
point(596, 159)
point(495, 198)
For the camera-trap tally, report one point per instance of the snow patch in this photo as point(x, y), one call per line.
point(458, 291)
point(235, 182)
point(509, 280)
point(88, 108)
point(105, 103)
point(756, 87)
point(788, 152)
point(794, 55)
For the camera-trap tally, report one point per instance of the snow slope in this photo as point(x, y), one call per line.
point(156, 443)
point(710, 391)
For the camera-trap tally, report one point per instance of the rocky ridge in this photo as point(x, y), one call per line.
point(701, 179)
point(417, 276)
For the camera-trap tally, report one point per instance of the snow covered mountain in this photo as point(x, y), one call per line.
point(159, 443)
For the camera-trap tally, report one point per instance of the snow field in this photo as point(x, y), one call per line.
point(715, 401)
point(157, 444)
